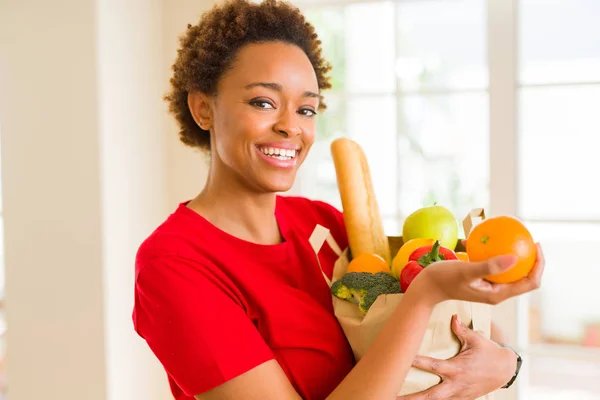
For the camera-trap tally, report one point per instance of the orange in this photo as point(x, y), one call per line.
point(462, 256)
point(368, 262)
point(503, 235)
point(405, 251)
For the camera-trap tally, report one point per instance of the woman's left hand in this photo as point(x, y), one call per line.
point(479, 368)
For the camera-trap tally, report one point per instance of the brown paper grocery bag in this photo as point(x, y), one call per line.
point(439, 340)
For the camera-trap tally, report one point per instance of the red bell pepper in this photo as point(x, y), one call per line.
point(421, 258)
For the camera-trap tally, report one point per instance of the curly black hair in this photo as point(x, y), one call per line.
point(208, 49)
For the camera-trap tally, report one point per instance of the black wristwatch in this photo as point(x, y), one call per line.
point(519, 362)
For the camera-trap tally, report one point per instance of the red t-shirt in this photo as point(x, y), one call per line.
point(212, 306)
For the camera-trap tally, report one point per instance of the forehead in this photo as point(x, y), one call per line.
point(276, 62)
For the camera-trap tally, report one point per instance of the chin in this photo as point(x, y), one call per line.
point(278, 183)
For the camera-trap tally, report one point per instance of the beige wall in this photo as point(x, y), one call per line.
point(90, 164)
point(52, 203)
point(187, 167)
point(132, 164)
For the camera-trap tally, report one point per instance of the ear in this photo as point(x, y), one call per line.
point(200, 106)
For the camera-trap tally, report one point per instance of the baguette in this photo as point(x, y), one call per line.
point(364, 225)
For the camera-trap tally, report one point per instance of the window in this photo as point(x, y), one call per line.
point(413, 85)
point(410, 85)
point(558, 136)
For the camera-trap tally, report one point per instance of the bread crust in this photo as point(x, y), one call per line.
point(362, 217)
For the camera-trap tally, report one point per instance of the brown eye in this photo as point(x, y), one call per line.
point(308, 112)
point(263, 104)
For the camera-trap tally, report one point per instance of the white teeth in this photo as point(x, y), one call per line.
point(280, 154)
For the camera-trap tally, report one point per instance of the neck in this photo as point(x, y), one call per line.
point(236, 209)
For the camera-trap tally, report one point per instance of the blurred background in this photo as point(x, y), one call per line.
point(467, 103)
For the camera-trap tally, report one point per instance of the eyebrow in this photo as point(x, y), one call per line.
point(278, 88)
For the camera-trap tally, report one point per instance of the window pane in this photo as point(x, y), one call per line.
point(444, 152)
point(392, 226)
point(370, 47)
point(329, 23)
point(358, 40)
point(565, 309)
point(561, 378)
point(442, 44)
point(564, 317)
point(372, 123)
point(332, 121)
point(558, 157)
point(559, 41)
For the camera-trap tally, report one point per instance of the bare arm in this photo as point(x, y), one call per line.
point(266, 381)
point(393, 350)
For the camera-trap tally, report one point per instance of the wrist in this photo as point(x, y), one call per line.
point(424, 291)
point(513, 365)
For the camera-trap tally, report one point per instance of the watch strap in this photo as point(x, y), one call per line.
point(518, 366)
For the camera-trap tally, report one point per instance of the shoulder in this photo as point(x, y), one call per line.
point(176, 237)
point(176, 258)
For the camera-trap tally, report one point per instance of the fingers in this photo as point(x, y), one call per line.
point(534, 279)
point(494, 265)
point(537, 271)
point(441, 368)
point(531, 282)
point(436, 392)
point(460, 330)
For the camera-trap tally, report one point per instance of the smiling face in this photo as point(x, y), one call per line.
point(262, 119)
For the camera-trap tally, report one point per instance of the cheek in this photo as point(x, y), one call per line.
point(236, 134)
point(310, 134)
point(310, 137)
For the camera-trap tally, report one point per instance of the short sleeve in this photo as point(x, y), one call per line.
point(195, 325)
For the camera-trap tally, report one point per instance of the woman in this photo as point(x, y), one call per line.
point(229, 295)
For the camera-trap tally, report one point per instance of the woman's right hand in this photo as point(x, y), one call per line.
point(462, 280)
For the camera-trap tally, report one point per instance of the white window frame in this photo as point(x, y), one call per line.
point(502, 51)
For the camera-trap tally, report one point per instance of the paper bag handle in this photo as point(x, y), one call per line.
point(480, 314)
point(319, 236)
point(473, 218)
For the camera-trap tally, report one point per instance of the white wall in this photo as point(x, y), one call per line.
point(134, 191)
point(91, 164)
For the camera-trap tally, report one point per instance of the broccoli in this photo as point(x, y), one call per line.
point(363, 288)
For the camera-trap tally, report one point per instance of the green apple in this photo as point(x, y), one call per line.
point(435, 222)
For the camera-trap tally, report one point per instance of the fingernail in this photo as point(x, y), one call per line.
point(458, 319)
point(507, 261)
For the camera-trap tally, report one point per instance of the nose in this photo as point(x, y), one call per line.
point(287, 124)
